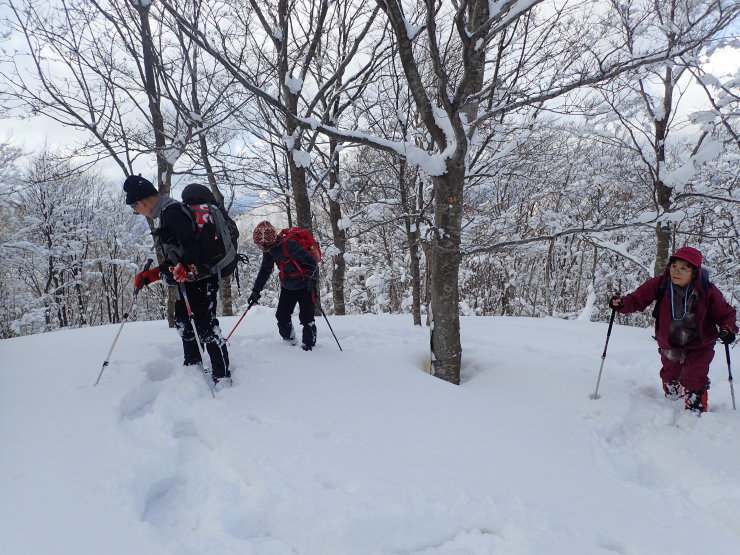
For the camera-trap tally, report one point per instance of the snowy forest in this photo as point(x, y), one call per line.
point(473, 157)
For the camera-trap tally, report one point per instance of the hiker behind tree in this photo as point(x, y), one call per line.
point(298, 276)
point(177, 239)
point(688, 312)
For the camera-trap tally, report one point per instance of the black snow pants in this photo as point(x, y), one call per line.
point(286, 304)
point(203, 296)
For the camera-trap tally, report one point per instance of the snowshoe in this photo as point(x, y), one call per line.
point(222, 383)
point(672, 390)
point(696, 401)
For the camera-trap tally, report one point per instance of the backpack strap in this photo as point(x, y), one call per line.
point(290, 259)
point(172, 252)
point(166, 202)
point(705, 283)
point(225, 235)
point(662, 287)
point(189, 212)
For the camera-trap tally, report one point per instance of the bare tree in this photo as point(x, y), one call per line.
point(536, 58)
point(473, 69)
point(66, 72)
point(650, 101)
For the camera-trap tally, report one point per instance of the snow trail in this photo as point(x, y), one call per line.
point(361, 452)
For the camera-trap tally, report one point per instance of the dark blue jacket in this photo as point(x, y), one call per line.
point(276, 256)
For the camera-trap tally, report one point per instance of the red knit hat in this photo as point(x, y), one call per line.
point(264, 234)
point(690, 255)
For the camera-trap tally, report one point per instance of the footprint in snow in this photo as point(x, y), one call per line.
point(139, 401)
point(163, 500)
point(164, 366)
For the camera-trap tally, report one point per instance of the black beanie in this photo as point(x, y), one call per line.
point(195, 193)
point(138, 188)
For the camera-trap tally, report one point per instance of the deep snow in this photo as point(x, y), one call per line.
point(361, 451)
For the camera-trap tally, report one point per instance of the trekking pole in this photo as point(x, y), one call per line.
point(729, 373)
point(330, 328)
point(240, 320)
point(131, 307)
point(206, 370)
point(595, 394)
point(313, 298)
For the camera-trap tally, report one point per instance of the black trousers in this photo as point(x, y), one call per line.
point(286, 303)
point(203, 296)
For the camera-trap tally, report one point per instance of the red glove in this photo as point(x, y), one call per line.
point(183, 273)
point(146, 277)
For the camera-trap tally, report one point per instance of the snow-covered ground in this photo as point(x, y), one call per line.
point(361, 451)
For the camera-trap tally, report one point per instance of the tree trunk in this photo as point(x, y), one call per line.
point(412, 237)
point(662, 230)
point(297, 172)
point(164, 166)
point(339, 266)
point(447, 350)
point(339, 236)
point(662, 191)
point(81, 304)
point(300, 193)
point(448, 201)
point(426, 247)
point(225, 291)
point(415, 276)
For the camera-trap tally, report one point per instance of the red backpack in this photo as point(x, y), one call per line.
point(306, 239)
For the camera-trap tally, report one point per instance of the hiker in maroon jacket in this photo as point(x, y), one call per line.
point(688, 313)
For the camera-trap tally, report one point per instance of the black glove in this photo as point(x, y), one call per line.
point(726, 336)
point(253, 298)
point(616, 302)
point(166, 275)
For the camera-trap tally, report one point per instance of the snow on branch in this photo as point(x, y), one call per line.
point(551, 236)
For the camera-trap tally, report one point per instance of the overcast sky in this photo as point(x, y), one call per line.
point(33, 133)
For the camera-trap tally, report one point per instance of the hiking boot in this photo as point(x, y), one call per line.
point(308, 336)
point(696, 401)
point(191, 353)
point(221, 383)
point(672, 390)
point(287, 332)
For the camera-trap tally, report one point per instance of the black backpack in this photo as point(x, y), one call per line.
point(218, 235)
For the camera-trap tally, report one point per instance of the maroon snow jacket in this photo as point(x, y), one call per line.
point(711, 310)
